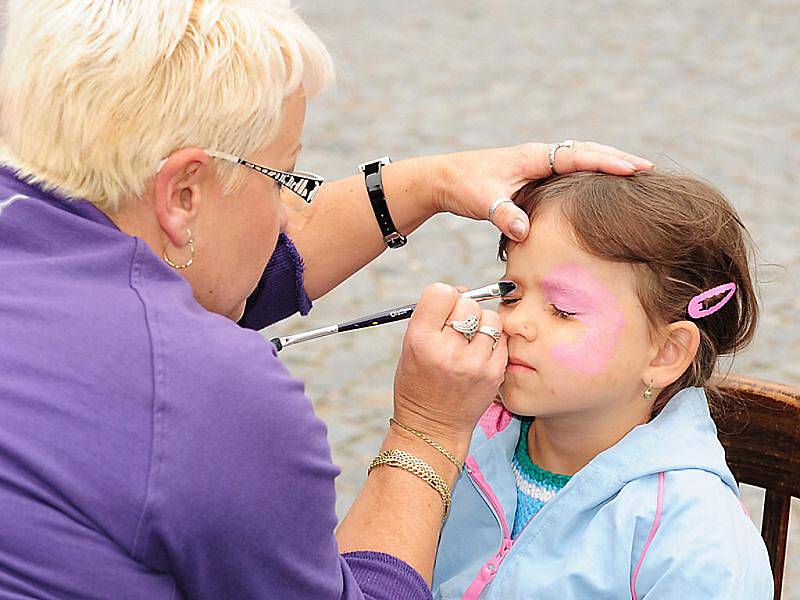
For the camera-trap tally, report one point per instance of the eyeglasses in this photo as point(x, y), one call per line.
point(305, 185)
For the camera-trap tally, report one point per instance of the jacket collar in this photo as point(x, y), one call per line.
point(682, 436)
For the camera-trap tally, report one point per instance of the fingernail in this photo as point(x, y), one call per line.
point(518, 228)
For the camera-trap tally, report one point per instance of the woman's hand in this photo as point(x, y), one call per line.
point(444, 382)
point(469, 182)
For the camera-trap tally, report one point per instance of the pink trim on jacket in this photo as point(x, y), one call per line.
point(489, 569)
point(744, 508)
point(653, 529)
point(494, 420)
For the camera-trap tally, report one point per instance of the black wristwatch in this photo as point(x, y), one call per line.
point(372, 179)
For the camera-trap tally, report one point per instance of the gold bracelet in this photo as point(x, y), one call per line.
point(417, 466)
point(436, 445)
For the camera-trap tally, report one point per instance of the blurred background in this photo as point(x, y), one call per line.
point(711, 87)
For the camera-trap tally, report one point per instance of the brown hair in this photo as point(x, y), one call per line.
point(683, 237)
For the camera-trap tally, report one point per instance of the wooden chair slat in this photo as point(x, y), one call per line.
point(759, 426)
point(774, 530)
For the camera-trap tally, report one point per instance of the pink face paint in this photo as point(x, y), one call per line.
point(574, 289)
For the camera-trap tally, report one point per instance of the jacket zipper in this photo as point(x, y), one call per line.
point(490, 567)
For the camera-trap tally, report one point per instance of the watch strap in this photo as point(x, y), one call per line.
point(377, 199)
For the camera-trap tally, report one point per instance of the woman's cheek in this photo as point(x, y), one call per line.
point(238, 312)
point(283, 218)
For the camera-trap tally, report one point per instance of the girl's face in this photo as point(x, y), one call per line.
point(578, 335)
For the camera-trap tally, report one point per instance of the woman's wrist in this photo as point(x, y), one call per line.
point(450, 433)
point(399, 439)
point(413, 190)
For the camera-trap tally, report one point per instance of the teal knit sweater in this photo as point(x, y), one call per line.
point(535, 486)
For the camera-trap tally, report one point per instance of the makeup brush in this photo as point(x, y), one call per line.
point(495, 290)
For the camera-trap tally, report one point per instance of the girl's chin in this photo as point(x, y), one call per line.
point(515, 401)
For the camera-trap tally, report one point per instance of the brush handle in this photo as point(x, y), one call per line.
point(387, 316)
point(400, 313)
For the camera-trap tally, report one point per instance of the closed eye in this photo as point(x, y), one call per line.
point(561, 314)
point(509, 301)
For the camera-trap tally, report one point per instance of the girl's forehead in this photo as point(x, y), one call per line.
point(551, 240)
point(551, 258)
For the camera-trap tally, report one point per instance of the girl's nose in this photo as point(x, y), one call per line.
point(517, 321)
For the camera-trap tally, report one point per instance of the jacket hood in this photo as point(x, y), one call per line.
point(682, 436)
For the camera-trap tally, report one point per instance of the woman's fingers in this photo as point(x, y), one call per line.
point(590, 156)
point(444, 380)
point(571, 160)
point(433, 309)
point(509, 218)
point(637, 161)
point(583, 156)
point(464, 309)
point(489, 341)
point(475, 183)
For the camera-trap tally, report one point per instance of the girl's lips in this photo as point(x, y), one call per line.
point(516, 365)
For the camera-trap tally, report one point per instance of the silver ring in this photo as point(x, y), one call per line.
point(551, 156)
point(494, 206)
point(468, 327)
point(493, 333)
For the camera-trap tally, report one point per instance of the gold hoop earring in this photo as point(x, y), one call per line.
point(188, 263)
point(648, 393)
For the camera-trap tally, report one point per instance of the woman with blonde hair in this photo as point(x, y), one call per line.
point(150, 447)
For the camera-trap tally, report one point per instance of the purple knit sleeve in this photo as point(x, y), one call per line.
point(280, 292)
point(382, 576)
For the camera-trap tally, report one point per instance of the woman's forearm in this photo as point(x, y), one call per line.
point(398, 513)
point(337, 235)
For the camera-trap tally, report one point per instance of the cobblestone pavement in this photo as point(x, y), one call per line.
point(710, 86)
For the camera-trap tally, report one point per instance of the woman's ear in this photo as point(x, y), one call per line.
point(182, 183)
point(677, 348)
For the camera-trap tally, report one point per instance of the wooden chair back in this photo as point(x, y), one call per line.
point(759, 425)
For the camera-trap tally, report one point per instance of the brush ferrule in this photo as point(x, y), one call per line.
point(291, 340)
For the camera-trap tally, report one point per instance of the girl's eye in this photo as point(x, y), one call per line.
point(561, 314)
point(508, 301)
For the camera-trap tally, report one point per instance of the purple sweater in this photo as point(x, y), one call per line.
point(150, 449)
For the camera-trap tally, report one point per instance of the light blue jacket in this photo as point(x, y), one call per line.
point(655, 516)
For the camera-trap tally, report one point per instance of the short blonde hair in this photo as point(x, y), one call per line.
point(94, 94)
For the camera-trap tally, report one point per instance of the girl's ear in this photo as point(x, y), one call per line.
point(676, 351)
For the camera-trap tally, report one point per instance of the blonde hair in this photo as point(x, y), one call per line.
point(94, 94)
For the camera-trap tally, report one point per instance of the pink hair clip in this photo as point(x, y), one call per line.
point(696, 310)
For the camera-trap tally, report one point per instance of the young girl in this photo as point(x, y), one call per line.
point(609, 481)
